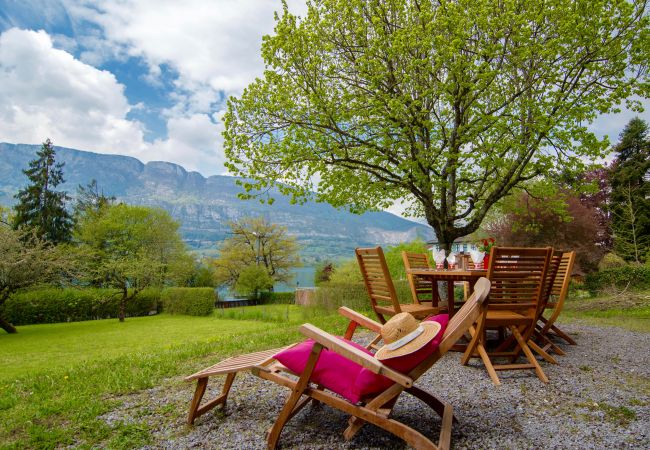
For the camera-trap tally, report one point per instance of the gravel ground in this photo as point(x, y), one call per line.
point(598, 397)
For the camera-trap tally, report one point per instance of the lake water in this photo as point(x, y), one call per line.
point(303, 277)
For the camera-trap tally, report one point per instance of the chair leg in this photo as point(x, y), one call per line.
point(201, 384)
point(288, 409)
point(541, 352)
point(563, 335)
point(531, 358)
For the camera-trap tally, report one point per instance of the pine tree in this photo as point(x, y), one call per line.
point(39, 206)
point(630, 195)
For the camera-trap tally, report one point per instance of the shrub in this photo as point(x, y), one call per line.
point(278, 298)
point(610, 261)
point(51, 305)
point(189, 301)
point(637, 277)
point(331, 295)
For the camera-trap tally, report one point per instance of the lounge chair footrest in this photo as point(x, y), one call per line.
point(237, 364)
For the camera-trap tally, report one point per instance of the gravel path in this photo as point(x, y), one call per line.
point(598, 397)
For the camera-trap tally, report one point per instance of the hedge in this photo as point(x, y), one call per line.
point(332, 295)
point(637, 277)
point(275, 298)
point(51, 305)
point(190, 301)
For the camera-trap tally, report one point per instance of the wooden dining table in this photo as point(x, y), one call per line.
point(449, 276)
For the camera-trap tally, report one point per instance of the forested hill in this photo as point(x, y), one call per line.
point(204, 206)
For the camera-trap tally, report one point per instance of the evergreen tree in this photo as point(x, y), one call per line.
point(630, 195)
point(40, 207)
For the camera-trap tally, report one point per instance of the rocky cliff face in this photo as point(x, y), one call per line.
point(204, 206)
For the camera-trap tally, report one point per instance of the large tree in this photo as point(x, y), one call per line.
point(40, 206)
point(446, 105)
point(630, 192)
point(254, 241)
point(129, 248)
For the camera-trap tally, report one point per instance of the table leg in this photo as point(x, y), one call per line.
point(450, 298)
point(435, 297)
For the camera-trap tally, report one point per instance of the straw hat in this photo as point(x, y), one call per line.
point(404, 335)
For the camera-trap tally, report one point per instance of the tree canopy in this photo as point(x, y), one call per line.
point(26, 261)
point(630, 192)
point(129, 248)
point(444, 105)
point(254, 241)
point(39, 206)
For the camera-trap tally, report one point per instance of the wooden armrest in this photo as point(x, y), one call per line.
point(360, 319)
point(354, 354)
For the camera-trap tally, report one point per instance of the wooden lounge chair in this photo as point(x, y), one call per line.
point(381, 289)
point(375, 409)
point(559, 292)
point(517, 276)
point(421, 288)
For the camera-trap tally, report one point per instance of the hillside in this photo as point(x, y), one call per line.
point(204, 206)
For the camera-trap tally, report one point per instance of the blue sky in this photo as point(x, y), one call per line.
point(146, 78)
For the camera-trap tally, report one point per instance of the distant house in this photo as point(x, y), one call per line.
point(460, 245)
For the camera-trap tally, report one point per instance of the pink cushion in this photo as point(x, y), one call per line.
point(335, 372)
point(349, 379)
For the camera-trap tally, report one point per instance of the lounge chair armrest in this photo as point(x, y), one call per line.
point(354, 354)
point(360, 319)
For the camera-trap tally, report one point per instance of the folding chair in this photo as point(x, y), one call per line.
point(421, 288)
point(560, 289)
point(374, 409)
point(517, 276)
point(381, 289)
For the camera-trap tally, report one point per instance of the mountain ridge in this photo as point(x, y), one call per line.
point(204, 205)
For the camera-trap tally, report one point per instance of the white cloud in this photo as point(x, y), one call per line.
point(46, 92)
point(213, 45)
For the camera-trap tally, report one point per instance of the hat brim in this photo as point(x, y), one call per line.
point(431, 330)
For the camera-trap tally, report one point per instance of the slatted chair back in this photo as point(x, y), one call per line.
point(563, 277)
point(517, 275)
point(377, 278)
point(549, 280)
point(420, 287)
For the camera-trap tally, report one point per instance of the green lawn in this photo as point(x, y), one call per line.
point(56, 380)
point(630, 310)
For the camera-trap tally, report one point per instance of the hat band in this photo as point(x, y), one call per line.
point(401, 342)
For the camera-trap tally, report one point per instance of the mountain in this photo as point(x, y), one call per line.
point(204, 206)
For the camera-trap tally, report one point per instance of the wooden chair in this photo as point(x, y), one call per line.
point(375, 409)
point(421, 288)
point(517, 276)
point(381, 289)
point(559, 292)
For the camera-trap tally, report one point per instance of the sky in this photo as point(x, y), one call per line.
point(144, 78)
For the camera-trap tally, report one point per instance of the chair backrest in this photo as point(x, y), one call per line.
point(419, 286)
point(464, 318)
point(549, 280)
point(563, 278)
point(377, 278)
point(517, 276)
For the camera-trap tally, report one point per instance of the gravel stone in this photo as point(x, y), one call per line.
point(598, 397)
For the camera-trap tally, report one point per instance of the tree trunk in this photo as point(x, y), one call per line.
point(9, 328)
point(121, 314)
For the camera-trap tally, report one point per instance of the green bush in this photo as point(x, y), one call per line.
point(610, 261)
point(278, 298)
point(636, 277)
point(51, 305)
point(331, 295)
point(190, 301)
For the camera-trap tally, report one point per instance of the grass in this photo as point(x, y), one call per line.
point(629, 310)
point(56, 380)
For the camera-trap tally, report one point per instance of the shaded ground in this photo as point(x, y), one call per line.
point(598, 396)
